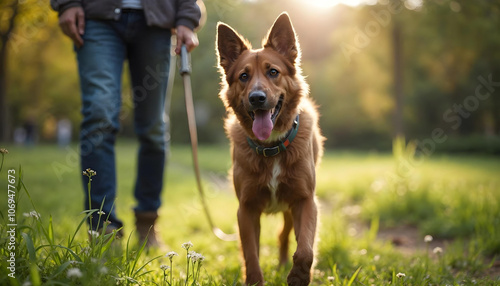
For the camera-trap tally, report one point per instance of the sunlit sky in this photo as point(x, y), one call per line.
point(331, 3)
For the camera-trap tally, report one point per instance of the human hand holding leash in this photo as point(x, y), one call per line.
point(187, 37)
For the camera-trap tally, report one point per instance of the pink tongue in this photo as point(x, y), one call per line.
point(262, 124)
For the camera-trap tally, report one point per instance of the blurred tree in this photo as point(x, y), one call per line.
point(8, 14)
point(348, 57)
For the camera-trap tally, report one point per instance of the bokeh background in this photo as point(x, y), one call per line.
point(420, 78)
point(425, 69)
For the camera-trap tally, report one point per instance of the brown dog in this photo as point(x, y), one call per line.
point(275, 142)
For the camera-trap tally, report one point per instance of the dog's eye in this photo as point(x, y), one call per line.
point(273, 72)
point(244, 77)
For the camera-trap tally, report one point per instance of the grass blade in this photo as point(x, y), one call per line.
point(353, 277)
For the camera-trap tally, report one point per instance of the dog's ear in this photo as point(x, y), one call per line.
point(230, 45)
point(282, 38)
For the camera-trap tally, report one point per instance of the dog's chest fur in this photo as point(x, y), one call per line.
point(274, 205)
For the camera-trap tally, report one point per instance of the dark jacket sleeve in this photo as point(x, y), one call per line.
point(188, 14)
point(62, 5)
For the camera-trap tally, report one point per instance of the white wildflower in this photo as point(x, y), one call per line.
point(74, 262)
point(89, 172)
point(191, 254)
point(400, 275)
point(74, 273)
point(437, 250)
point(103, 270)
point(428, 238)
point(164, 267)
point(101, 213)
point(93, 233)
point(187, 245)
point(195, 257)
point(33, 214)
point(171, 254)
point(331, 278)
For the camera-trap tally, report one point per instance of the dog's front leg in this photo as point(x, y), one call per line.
point(304, 221)
point(249, 225)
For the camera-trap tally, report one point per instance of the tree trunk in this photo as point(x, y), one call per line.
point(4, 124)
point(4, 37)
point(398, 80)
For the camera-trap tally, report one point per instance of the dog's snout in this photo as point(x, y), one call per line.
point(257, 98)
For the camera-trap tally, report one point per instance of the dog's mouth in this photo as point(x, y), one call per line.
point(264, 120)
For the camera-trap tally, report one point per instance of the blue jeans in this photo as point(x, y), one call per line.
point(107, 44)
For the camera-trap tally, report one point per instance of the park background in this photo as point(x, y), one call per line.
point(409, 98)
point(376, 70)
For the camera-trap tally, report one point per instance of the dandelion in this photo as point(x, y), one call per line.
point(400, 275)
point(164, 267)
point(171, 254)
point(437, 250)
point(74, 273)
point(428, 238)
point(4, 151)
point(187, 245)
point(93, 234)
point(101, 213)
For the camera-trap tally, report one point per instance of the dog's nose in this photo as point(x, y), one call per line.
point(257, 98)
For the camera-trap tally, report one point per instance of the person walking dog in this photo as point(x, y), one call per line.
point(105, 33)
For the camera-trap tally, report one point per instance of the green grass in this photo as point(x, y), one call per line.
point(453, 198)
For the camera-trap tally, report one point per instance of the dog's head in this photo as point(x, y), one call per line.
point(261, 86)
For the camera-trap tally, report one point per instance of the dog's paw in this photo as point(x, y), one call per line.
point(254, 279)
point(300, 275)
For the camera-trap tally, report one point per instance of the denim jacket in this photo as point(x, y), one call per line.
point(160, 13)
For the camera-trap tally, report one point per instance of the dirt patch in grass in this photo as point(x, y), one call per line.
point(408, 240)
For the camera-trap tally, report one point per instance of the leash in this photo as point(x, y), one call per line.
point(185, 71)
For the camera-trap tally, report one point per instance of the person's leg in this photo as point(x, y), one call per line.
point(149, 59)
point(100, 62)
